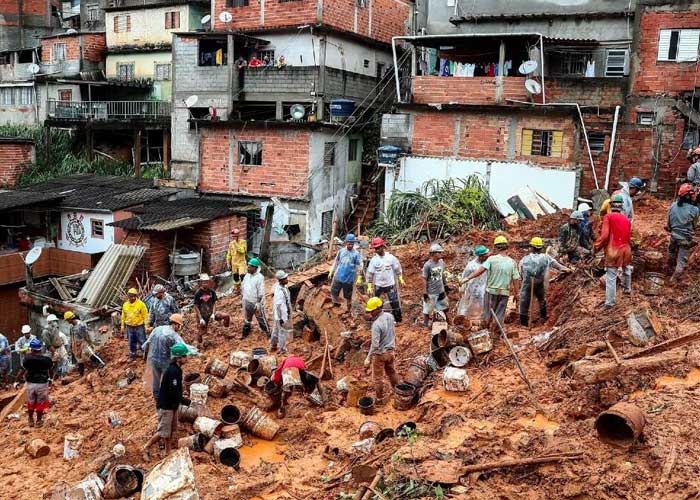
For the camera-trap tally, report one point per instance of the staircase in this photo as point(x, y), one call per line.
point(365, 208)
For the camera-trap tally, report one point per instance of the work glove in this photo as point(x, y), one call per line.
point(370, 288)
point(202, 322)
point(358, 281)
point(367, 360)
point(212, 318)
point(401, 281)
point(330, 274)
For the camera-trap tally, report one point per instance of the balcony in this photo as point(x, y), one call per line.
point(109, 110)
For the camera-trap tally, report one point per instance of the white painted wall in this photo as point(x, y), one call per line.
point(503, 179)
point(82, 241)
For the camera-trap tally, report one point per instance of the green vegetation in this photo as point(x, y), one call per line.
point(66, 157)
point(438, 209)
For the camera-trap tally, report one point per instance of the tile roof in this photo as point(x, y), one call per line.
point(15, 199)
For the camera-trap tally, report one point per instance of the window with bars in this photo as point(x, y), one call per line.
point(574, 64)
point(542, 142)
point(250, 153)
point(596, 141)
point(617, 62)
point(646, 118)
point(122, 24)
point(16, 96)
point(125, 71)
point(162, 72)
point(329, 154)
point(326, 223)
point(97, 227)
point(58, 52)
point(237, 3)
point(353, 147)
point(65, 95)
point(172, 20)
point(678, 45)
point(93, 12)
point(270, 54)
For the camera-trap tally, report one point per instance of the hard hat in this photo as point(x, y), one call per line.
point(685, 189)
point(436, 247)
point(177, 318)
point(584, 207)
point(481, 250)
point(204, 277)
point(536, 242)
point(280, 275)
point(373, 304)
point(350, 238)
point(576, 215)
point(500, 240)
point(636, 182)
point(179, 350)
point(68, 315)
point(26, 329)
point(377, 242)
point(51, 317)
point(616, 198)
point(35, 345)
point(158, 288)
point(255, 262)
point(132, 291)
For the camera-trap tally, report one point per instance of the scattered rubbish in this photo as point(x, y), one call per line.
point(439, 358)
point(655, 283)
point(172, 478)
point(195, 442)
point(480, 342)
point(460, 356)
point(114, 419)
point(13, 416)
point(232, 442)
point(343, 384)
point(455, 379)
point(217, 387)
point(123, 481)
point(119, 450)
point(620, 425)
point(209, 447)
point(244, 377)
point(259, 424)
point(262, 366)
point(191, 378)
point(529, 204)
point(404, 396)
point(405, 429)
point(230, 414)
point(315, 397)
point(418, 370)
point(259, 352)
point(239, 359)
point(198, 394)
point(356, 390)
point(364, 445)
point(230, 457)
point(384, 434)
point(450, 338)
point(217, 368)
point(71, 446)
point(369, 429)
point(207, 426)
point(366, 405)
point(191, 412)
point(37, 448)
point(642, 325)
point(89, 488)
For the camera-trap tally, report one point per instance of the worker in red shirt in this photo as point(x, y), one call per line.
point(306, 382)
point(614, 239)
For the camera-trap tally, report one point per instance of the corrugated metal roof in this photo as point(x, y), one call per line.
point(110, 275)
point(173, 224)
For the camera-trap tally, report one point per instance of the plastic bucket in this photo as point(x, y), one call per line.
point(455, 379)
point(217, 368)
point(384, 434)
point(434, 344)
point(366, 405)
point(258, 352)
point(230, 457)
point(480, 342)
point(207, 426)
point(37, 448)
point(71, 446)
point(195, 442)
point(440, 357)
point(217, 387)
point(190, 413)
point(404, 395)
point(405, 428)
point(262, 366)
point(239, 359)
point(198, 393)
point(460, 356)
point(291, 378)
point(417, 371)
point(449, 338)
point(257, 423)
point(369, 429)
point(233, 442)
point(230, 414)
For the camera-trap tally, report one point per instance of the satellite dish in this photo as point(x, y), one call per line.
point(298, 111)
point(191, 101)
point(33, 68)
point(32, 256)
point(71, 31)
point(527, 67)
point(532, 86)
point(225, 17)
point(206, 19)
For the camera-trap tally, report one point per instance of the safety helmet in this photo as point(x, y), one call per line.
point(177, 318)
point(636, 182)
point(576, 215)
point(280, 275)
point(373, 304)
point(685, 189)
point(51, 317)
point(377, 242)
point(68, 315)
point(204, 277)
point(584, 207)
point(132, 291)
point(255, 262)
point(536, 242)
point(481, 250)
point(158, 288)
point(35, 345)
point(179, 350)
point(616, 198)
point(350, 238)
point(436, 247)
point(500, 240)
point(26, 329)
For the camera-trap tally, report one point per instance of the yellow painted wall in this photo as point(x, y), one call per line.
point(147, 26)
point(144, 67)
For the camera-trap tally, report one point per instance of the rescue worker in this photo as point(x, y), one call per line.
point(169, 400)
point(309, 382)
point(162, 307)
point(346, 272)
point(473, 302)
point(534, 269)
point(503, 279)
point(435, 280)
point(22, 343)
point(54, 346)
point(37, 370)
point(81, 341)
point(5, 361)
point(157, 349)
point(281, 313)
point(615, 240)
point(383, 271)
point(253, 298)
point(569, 237)
point(236, 256)
point(693, 175)
point(628, 191)
point(585, 231)
point(381, 349)
point(205, 299)
point(683, 218)
point(134, 322)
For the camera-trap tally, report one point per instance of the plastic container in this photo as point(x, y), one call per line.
point(369, 429)
point(366, 405)
point(258, 352)
point(291, 378)
point(207, 426)
point(230, 414)
point(418, 370)
point(404, 396)
point(455, 379)
point(232, 442)
point(406, 428)
point(480, 342)
point(230, 457)
point(259, 424)
point(262, 366)
point(71, 446)
point(190, 413)
point(217, 368)
point(239, 359)
point(195, 442)
point(460, 356)
point(198, 393)
point(185, 264)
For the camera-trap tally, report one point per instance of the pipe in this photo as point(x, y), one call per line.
point(396, 70)
point(544, 94)
point(612, 147)
point(583, 125)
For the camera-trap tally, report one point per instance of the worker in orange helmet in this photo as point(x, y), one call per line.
point(683, 217)
point(383, 272)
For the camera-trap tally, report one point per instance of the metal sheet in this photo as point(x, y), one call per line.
point(110, 275)
point(173, 224)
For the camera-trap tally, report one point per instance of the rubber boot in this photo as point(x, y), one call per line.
point(30, 418)
point(523, 319)
point(81, 369)
point(396, 311)
point(39, 418)
point(246, 329)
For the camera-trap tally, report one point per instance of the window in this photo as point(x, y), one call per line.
point(574, 64)
point(542, 142)
point(65, 95)
point(93, 12)
point(329, 154)
point(250, 153)
point(213, 52)
point(162, 72)
point(596, 141)
point(353, 146)
point(678, 45)
point(172, 20)
point(646, 118)
point(25, 56)
point(365, 63)
point(122, 24)
point(125, 71)
point(97, 228)
point(617, 62)
point(58, 52)
point(380, 71)
point(5, 58)
point(236, 3)
point(326, 223)
point(270, 54)
point(24, 96)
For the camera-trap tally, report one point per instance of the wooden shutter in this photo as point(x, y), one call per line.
point(128, 23)
point(557, 143)
point(688, 45)
point(116, 24)
point(176, 19)
point(664, 45)
point(526, 145)
point(167, 21)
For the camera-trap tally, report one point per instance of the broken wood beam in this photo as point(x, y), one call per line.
point(590, 372)
point(613, 352)
point(665, 346)
point(501, 464)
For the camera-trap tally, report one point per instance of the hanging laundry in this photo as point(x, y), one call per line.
point(590, 69)
point(507, 67)
point(469, 69)
point(491, 69)
point(444, 67)
point(433, 62)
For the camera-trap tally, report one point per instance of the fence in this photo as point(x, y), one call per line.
point(109, 110)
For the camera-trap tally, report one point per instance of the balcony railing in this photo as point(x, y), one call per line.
point(109, 110)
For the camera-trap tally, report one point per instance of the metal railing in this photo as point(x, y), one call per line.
point(109, 110)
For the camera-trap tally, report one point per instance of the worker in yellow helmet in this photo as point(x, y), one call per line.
point(134, 322)
point(236, 256)
point(534, 269)
point(381, 349)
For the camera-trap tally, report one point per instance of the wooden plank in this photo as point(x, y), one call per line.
point(14, 405)
point(665, 346)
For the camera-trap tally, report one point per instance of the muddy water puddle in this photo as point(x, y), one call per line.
point(267, 451)
point(691, 379)
point(539, 422)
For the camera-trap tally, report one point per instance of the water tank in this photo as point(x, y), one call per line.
point(387, 155)
point(341, 109)
point(185, 264)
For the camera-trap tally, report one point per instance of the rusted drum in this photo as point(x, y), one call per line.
point(418, 370)
point(259, 424)
point(620, 425)
point(404, 396)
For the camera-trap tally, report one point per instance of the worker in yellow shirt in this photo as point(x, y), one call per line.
point(134, 322)
point(236, 256)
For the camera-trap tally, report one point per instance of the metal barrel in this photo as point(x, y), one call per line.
point(404, 395)
point(259, 424)
point(620, 425)
point(195, 442)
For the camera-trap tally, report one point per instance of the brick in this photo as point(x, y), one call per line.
point(14, 158)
